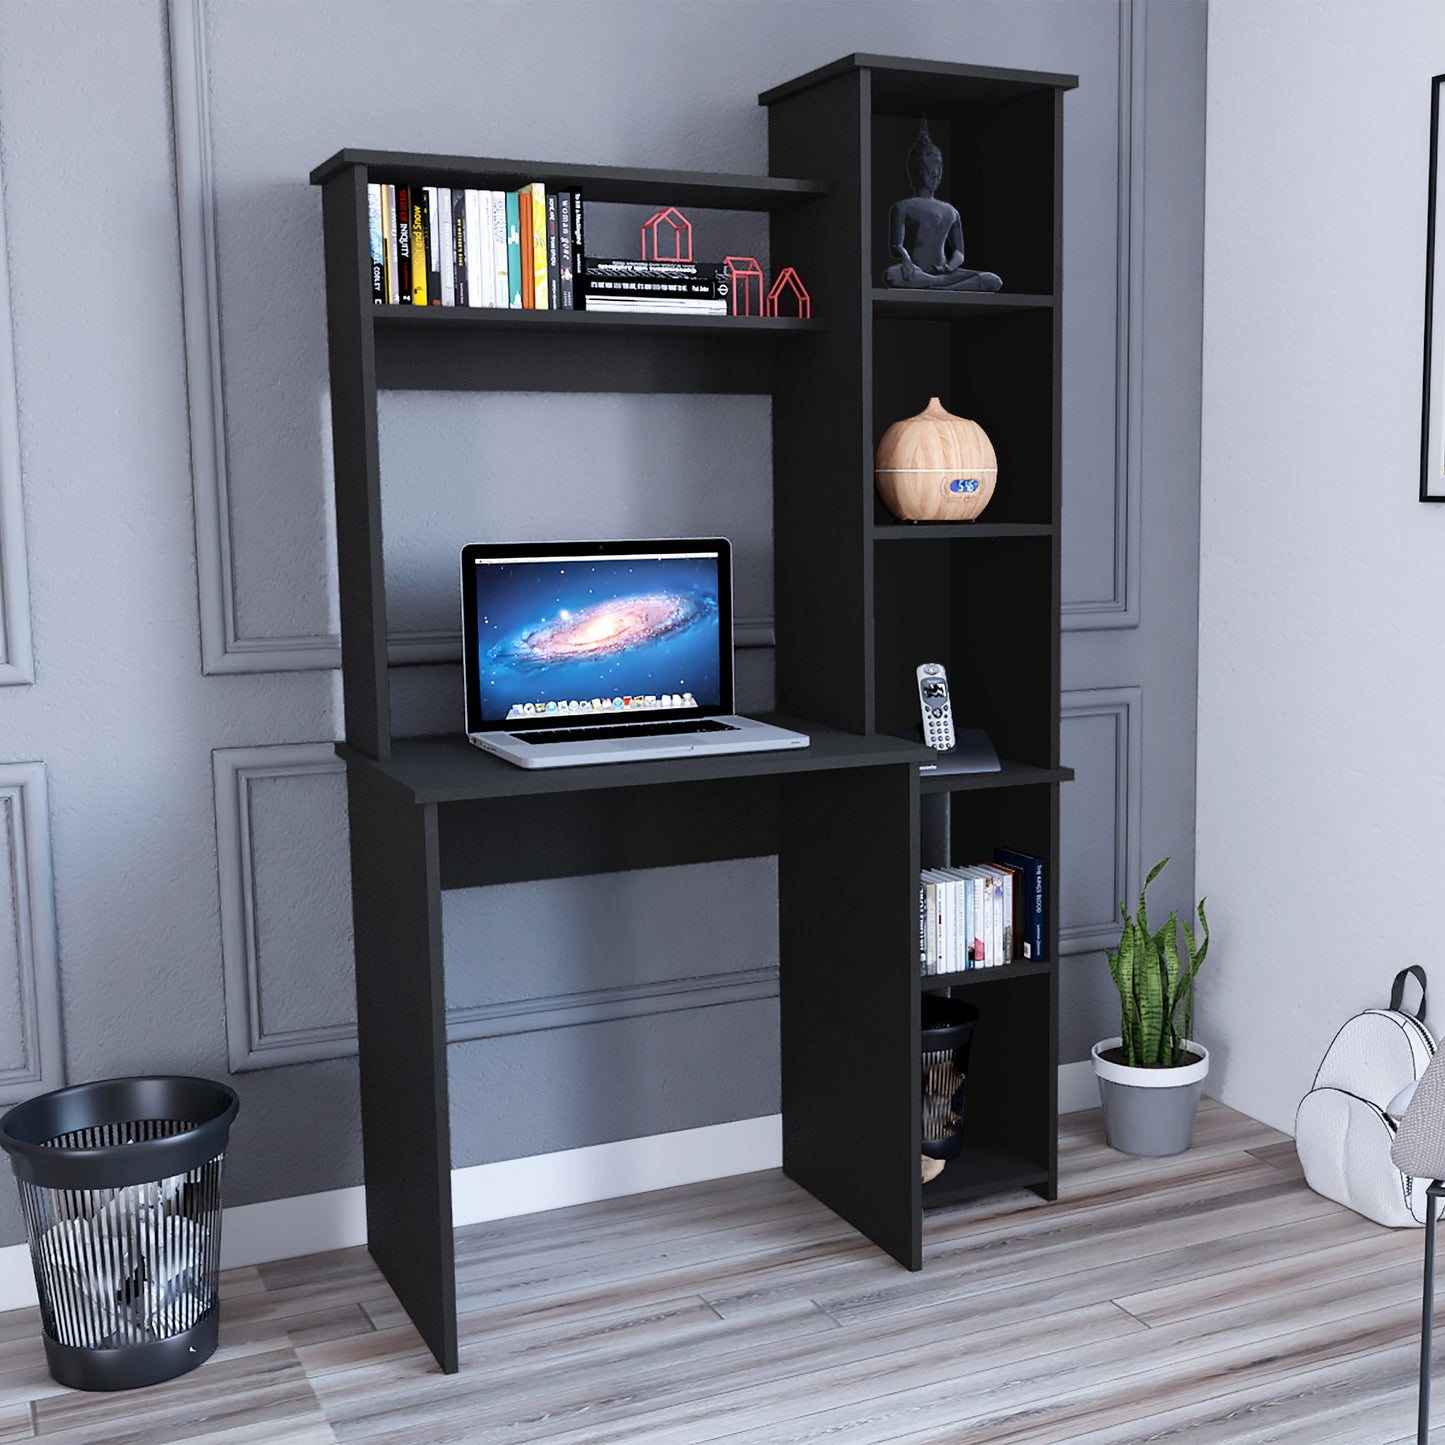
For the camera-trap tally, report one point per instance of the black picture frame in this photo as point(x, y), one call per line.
point(1432, 421)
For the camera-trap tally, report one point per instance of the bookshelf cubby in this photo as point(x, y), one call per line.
point(860, 599)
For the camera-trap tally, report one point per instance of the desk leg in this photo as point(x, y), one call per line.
point(848, 998)
point(401, 1031)
point(1433, 1196)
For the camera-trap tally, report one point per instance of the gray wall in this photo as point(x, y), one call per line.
point(1320, 782)
point(165, 292)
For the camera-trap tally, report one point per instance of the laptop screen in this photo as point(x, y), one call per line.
point(560, 634)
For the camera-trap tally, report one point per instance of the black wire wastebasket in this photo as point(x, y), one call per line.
point(120, 1186)
point(947, 1026)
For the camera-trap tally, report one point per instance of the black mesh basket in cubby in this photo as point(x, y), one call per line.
point(120, 1186)
point(947, 1033)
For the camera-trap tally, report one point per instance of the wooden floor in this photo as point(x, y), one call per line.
point(1209, 1298)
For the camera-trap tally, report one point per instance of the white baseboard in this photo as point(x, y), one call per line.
point(313, 1223)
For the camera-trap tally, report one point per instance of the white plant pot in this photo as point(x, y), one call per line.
point(1149, 1111)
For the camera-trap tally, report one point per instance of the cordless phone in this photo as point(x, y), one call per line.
point(933, 701)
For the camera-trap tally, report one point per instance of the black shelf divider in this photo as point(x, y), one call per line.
point(846, 817)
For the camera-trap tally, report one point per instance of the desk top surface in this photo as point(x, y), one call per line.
point(445, 768)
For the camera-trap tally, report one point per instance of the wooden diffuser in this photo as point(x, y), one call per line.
point(935, 467)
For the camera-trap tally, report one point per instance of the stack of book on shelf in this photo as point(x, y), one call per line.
point(981, 916)
point(449, 246)
point(682, 288)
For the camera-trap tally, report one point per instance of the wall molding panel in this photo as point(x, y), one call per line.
point(248, 1043)
point(17, 663)
point(1121, 608)
point(252, 1045)
point(1125, 706)
point(222, 649)
point(25, 864)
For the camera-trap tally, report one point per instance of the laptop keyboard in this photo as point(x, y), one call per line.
point(635, 730)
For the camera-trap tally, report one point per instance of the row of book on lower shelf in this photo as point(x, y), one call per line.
point(445, 246)
point(981, 916)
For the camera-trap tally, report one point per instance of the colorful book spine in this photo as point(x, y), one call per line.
point(554, 253)
point(445, 246)
point(403, 245)
point(1031, 925)
point(514, 249)
point(529, 274)
point(431, 219)
point(459, 246)
point(566, 291)
point(474, 249)
point(706, 289)
point(418, 248)
point(539, 245)
point(378, 245)
point(388, 236)
point(499, 248)
point(486, 273)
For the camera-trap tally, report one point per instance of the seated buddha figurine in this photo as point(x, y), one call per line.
point(926, 235)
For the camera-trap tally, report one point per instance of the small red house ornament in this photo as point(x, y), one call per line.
point(788, 278)
point(672, 244)
point(746, 278)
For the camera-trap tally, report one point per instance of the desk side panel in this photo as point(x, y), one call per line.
point(401, 1034)
point(848, 916)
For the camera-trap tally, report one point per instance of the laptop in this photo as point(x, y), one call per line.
point(603, 652)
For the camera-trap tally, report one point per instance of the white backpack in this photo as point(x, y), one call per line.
point(1342, 1130)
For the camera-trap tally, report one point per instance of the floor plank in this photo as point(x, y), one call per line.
point(1208, 1299)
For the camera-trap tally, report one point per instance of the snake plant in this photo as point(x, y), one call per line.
point(1153, 987)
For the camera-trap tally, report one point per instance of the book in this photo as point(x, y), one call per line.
point(485, 271)
point(1012, 902)
point(524, 229)
point(642, 305)
point(388, 239)
point(1005, 912)
point(705, 288)
point(475, 296)
point(445, 246)
point(418, 247)
point(554, 254)
point(978, 923)
point(1031, 924)
point(499, 248)
point(539, 244)
point(378, 245)
point(931, 920)
point(459, 246)
point(961, 885)
point(403, 245)
point(514, 249)
point(579, 255)
point(431, 219)
point(566, 290)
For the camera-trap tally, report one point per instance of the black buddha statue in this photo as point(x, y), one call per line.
point(925, 235)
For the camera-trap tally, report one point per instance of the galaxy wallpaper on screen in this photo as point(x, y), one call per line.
point(559, 635)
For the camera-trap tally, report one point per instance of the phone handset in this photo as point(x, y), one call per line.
point(934, 704)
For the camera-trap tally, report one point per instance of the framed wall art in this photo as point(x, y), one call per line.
point(1432, 430)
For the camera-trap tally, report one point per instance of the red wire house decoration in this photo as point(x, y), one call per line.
point(672, 244)
point(788, 278)
point(745, 277)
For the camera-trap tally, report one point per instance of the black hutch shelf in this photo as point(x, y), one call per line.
point(852, 819)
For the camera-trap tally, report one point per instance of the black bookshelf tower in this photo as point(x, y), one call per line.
point(860, 601)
